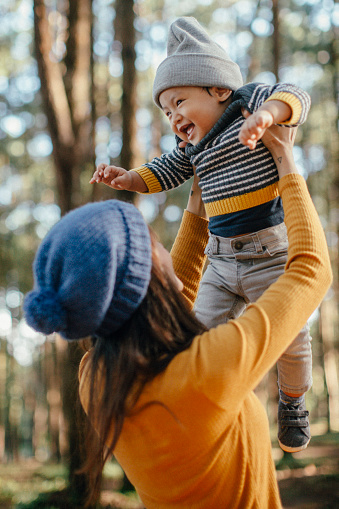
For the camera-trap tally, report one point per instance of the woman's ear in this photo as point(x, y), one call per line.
point(221, 94)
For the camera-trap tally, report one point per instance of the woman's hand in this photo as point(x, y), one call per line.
point(280, 140)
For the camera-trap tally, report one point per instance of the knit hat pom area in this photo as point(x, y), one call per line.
point(195, 60)
point(91, 271)
point(44, 311)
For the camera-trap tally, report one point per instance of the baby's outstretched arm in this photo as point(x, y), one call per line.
point(254, 127)
point(118, 178)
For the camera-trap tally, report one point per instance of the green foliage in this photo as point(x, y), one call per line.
point(30, 485)
point(23, 486)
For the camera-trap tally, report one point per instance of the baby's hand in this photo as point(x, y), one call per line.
point(98, 174)
point(112, 176)
point(254, 127)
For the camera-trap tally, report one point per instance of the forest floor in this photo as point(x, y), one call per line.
point(310, 478)
point(307, 480)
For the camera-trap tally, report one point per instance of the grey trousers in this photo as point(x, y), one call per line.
point(240, 269)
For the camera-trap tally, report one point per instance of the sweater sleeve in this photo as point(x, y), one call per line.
point(188, 253)
point(255, 94)
point(231, 359)
point(166, 172)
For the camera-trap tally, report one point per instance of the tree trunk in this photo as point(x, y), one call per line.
point(75, 418)
point(125, 34)
point(67, 95)
point(276, 38)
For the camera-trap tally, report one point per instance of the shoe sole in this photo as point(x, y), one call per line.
point(293, 449)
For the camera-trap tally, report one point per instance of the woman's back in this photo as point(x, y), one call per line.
point(180, 449)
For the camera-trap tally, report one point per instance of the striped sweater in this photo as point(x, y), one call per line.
point(239, 186)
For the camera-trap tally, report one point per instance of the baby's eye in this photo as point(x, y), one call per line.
point(168, 113)
point(179, 101)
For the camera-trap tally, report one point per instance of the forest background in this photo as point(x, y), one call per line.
point(75, 90)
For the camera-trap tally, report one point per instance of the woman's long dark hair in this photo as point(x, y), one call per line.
point(159, 329)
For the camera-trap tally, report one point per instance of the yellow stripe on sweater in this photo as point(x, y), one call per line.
point(242, 202)
point(292, 101)
point(152, 183)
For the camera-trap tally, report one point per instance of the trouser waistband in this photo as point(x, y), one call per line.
point(250, 243)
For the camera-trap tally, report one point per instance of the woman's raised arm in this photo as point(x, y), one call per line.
point(188, 249)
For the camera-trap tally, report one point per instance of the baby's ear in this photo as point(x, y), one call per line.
point(222, 94)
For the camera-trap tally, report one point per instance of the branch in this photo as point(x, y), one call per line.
point(52, 86)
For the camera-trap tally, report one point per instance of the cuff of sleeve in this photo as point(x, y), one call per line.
point(293, 102)
point(150, 180)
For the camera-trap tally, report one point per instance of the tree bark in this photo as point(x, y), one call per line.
point(276, 38)
point(67, 96)
point(125, 34)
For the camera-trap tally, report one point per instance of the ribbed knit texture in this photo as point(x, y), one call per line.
point(91, 271)
point(194, 251)
point(232, 177)
point(206, 445)
point(194, 59)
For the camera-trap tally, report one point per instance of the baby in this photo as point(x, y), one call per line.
point(201, 92)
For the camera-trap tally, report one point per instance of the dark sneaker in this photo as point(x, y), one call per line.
point(293, 424)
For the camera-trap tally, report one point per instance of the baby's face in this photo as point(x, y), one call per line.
point(193, 111)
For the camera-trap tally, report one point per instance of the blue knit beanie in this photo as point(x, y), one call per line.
point(194, 59)
point(91, 271)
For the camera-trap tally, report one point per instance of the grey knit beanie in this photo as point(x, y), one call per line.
point(91, 271)
point(194, 59)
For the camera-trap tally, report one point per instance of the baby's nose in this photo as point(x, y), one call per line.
point(176, 117)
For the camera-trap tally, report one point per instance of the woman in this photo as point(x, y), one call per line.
point(173, 401)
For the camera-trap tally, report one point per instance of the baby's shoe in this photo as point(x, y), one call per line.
point(293, 423)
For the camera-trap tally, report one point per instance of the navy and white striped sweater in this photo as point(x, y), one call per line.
point(239, 186)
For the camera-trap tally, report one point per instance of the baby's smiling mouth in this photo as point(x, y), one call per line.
point(187, 129)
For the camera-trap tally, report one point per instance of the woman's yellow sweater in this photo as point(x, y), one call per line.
point(207, 445)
